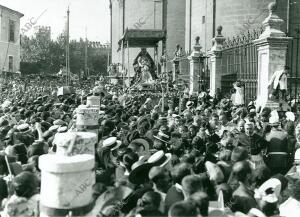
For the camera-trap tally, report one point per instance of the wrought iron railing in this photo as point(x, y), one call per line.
point(239, 62)
point(293, 61)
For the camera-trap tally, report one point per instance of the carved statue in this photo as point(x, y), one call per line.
point(178, 53)
point(144, 68)
point(197, 39)
point(163, 58)
point(112, 70)
point(219, 30)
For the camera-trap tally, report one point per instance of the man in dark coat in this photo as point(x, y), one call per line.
point(243, 197)
point(175, 193)
point(277, 148)
point(250, 140)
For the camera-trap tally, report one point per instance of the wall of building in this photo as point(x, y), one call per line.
point(236, 17)
point(115, 30)
point(147, 14)
point(12, 48)
point(175, 25)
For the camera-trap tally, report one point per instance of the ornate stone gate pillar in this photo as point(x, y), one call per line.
point(196, 66)
point(272, 48)
point(215, 58)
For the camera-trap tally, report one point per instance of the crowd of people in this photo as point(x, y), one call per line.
point(204, 157)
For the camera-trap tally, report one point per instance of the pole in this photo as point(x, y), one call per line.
point(288, 17)
point(163, 99)
point(85, 53)
point(179, 107)
point(68, 48)
point(108, 61)
point(167, 75)
point(122, 66)
point(128, 69)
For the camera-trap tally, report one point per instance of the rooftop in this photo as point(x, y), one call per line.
point(11, 10)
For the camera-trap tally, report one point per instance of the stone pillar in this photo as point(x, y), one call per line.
point(195, 67)
point(272, 47)
point(215, 55)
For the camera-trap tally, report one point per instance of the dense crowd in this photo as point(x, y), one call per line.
point(204, 157)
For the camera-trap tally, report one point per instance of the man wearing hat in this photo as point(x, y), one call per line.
point(162, 180)
point(175, 193)
point(277, 148)
point(161, 141)
point(243, 197)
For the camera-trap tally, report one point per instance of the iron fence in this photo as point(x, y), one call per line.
point(239, 63)
point(293, 61)
point(204, 75)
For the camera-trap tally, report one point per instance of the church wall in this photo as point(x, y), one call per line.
point(236, 17)
point(147, 14)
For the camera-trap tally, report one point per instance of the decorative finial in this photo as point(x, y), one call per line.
point(272, 24)
point(219, 30)
point(218, 40)
point(272, 7)
point(197, 39)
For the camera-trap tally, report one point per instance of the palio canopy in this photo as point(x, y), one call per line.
point(142, 37)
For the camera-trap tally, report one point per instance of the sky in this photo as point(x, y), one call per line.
point(86, 16)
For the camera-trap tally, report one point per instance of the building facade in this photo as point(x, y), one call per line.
point(165, 15)
point(183, 20)
point(43, 31)
point(9, 39)
point(235, 16)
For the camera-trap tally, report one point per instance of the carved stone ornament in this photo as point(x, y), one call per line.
point(272, 23)
point(218, 40)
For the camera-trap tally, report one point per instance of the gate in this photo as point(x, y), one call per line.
point(239, 62)
point(293, 61)
point(204, 77)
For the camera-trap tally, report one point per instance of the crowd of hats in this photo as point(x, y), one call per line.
point(196, 158)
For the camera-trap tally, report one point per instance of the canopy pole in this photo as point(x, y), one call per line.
point(156, 58)
point(128, 70)
point(123, 74)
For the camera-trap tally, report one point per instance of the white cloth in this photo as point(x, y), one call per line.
point(278, 78)
point(290, 208)
point(239, 96)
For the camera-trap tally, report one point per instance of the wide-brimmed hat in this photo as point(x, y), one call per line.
point(62, 129)
point(176, 116)
point(202, 95)
point(140, 170)
point(112, 143)
point(214, 172)
point(23, 127)
point(189, 104)
point(290, 116)
point(297, 156)
point(111, 197)
point(269, 191)
point(58, 122)
point(274, 119)
point(162, 137)
point(159, 158)
point(143, 143)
